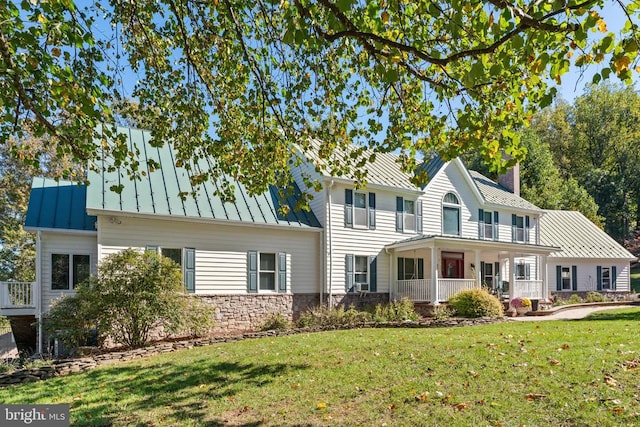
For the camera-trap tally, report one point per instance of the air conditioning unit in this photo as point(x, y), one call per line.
point(357, 287)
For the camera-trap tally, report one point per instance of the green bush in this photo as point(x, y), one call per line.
point(199, 318)
point(275, 322)
point(594, 297)
point(441, 312)
point(574, 299)
point(476, 303)
point(396, 311)
point(71, 319)
point(335, 316)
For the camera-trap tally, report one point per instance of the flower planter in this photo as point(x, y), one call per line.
point(522, 310)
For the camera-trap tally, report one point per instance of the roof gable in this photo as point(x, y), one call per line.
point(58, 205)
point(158, 192)
point(494, 193)
point(578, 237)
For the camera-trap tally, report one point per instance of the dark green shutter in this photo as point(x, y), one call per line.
point(348, 272)
point(480, 223)
point(252, 271)
point(400, 268)
point(496, 272)
point(282, 272)
point(399, 211)
point(514, 224)
point(419, 216)
point(526, 228)
point(482, 278)
point(420, 268)
point(373, 274)
point(558, 277)
point(599, 277)
point(372, 211)
point(348, 208)
point(496, 222)
point(190, 269)
point(527, 272)
point(614, 275)
point(574, 277)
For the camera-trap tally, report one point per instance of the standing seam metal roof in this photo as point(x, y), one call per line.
point(497, 194)
point(158, 192)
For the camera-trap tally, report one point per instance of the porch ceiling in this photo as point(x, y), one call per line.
point(438, 241)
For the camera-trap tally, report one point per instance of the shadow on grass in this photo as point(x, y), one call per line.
point(170, 392)
point(628, 315)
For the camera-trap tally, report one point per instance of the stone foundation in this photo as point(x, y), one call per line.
point(360, 301)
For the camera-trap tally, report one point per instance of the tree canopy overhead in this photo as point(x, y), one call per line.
point(246, 81)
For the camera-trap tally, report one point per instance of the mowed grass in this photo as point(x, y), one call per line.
point(553, 373)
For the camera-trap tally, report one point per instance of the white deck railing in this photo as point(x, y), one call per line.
point(17, 294)
point(418, 290)
point(528, 289)
point(449, 287)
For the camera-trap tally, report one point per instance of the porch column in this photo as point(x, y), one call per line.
point(434, 276)
point(512, 276)
point(478, 272)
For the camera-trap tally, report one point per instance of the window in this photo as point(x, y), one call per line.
point(185, 258)
point(488, 225)
point(520, 228)
point(408, 215)
point(606, 278)
point(487, 274)
point(68, 271)
point(410, 268)
point(359, 209)
point(360, 273)
point(566, 279)
point(523, 271)
point(266, 272)
point(451, 215)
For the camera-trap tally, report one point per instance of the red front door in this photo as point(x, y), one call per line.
point(453, 265)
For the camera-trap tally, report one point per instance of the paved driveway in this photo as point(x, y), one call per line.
point(567, 314)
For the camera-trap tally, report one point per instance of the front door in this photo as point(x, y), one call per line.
point(453, 265)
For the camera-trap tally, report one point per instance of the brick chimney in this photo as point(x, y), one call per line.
point(511, 179)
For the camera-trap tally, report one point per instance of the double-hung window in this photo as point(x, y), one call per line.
point(607, 278)
point(408, 215)
point(566, 278)
point(410, 268)
point(523, 271)
point(520, 228)
point(488, 225)
point(359, 209)
point(68, 271)
point(360, 273)
point(266, 272)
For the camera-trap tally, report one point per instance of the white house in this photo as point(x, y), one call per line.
point(356, 246)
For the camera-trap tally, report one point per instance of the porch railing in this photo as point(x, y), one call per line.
point(418, 290)
point(17, 294)
point(528, 289)
point(449, 287)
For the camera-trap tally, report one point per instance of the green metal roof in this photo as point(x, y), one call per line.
point(158, 192)
point(578, 237)
point(58, 205)
point(497, 194)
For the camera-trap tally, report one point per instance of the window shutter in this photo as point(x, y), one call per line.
point(558, 277)
point(348, 272)
point(514, 222)
point(420, 268)
point(526, 228)
point(599, 277)
point(348, 208)
point(190, 269)
point(252, 271)
point(527, 272)
point(372, 211)
point(480, 223)
point(574, 277)
point(373, 274)
point(400, 268)
point(496, 273)
point(614, 275)
point(482, 278)
point(496, 221)
point(419, 216)
point(282, 272)
point(399, 210)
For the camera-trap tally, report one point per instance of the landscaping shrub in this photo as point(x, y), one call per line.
point(476, 303)
point(574, 299)
point(275, 322)
point(441, 312)
point(594, 297)
point(335, 316)
point(71, 319)
point(396, 311)
point(199, 319)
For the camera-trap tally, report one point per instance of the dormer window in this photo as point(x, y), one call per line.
point(451, 215)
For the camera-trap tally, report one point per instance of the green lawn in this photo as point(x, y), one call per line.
point(554, 373)
point(635, 279)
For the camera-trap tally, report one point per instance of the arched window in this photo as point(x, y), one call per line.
point(451, 214)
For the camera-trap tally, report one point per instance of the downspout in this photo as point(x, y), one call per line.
point(38, 289)
point(329, 253)
point(324, 270)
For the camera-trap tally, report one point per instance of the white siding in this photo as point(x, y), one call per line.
point(221, 249)
point(587, 272)
point(54, 243)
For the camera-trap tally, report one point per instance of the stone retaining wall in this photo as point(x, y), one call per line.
point(67, 366)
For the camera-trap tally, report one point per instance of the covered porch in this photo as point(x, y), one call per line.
point(433, 268)
point(18, 298)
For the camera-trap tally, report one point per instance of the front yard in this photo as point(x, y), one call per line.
point(508, 374)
